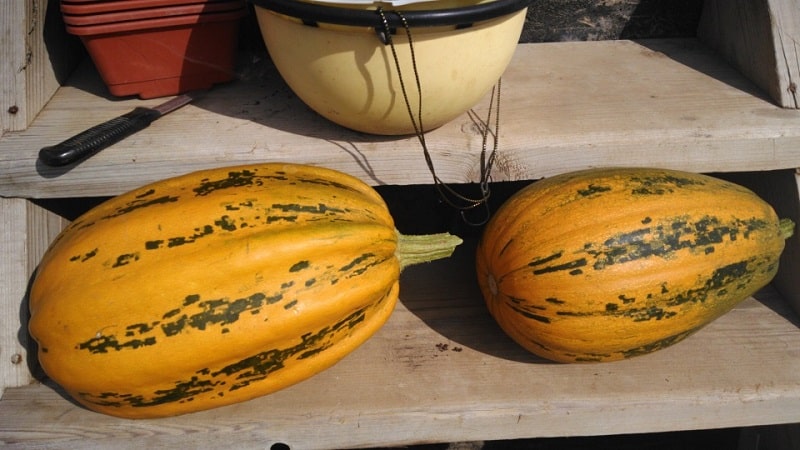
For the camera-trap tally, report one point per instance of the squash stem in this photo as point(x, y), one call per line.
point(425, 248)
point(786, 228)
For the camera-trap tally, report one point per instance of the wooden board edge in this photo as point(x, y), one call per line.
point(759, 38)
point(26, 232)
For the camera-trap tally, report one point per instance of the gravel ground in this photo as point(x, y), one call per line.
point(593, 20)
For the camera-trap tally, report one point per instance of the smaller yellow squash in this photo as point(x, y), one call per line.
point(605, 264)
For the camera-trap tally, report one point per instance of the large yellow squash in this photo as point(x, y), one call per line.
point(217, 287)
point(605, 264)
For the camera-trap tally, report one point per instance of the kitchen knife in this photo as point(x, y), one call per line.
point(91, 141)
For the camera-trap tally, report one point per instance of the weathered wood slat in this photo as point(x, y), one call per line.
point(441, 370)
point(762, 39)
point(27, 230)
point(35, 55)
point(565, 106)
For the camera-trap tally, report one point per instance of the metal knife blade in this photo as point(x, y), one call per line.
point(98, 137)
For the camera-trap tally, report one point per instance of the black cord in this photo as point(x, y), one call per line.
point(447, 193)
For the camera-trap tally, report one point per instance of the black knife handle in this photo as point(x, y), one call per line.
point(91, 141)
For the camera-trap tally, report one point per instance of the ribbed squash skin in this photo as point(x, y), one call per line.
point(213, 288)
point(606, 264)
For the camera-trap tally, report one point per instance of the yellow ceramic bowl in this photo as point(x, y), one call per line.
point(348, 75)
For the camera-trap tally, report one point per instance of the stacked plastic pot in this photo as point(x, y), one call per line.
point(155, 48)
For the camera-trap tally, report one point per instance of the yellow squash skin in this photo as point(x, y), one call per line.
point(606, 264)
point(214, 288)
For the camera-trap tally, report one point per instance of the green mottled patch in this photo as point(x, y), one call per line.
point(273, 219)
point(570, 266)
point(191, 299)
point(661, 184)
point(223, 311)
point(146, 193)
point(356, 262)
point(123, 260)
point(731, 275)
point(298, 266)
point(171, 313)
point(589, 357)
point(226, 223)
point(660, 240)
point(183, 391)
point(575, 313)
point(206, 230)
point(731, 278)
point(657, 345)
point(245, 204)
point(233, 180)
point(319, 208)
point(141, 204)
point(153, 245)
point(105, 343)
point(546, 259)
point(85, 256)
point(325, 182)
point(647, 313)
point(139, 328)
point(243, 372)
point(530, 315)
point(593, 190)
point(522, 301)
point(213, 312)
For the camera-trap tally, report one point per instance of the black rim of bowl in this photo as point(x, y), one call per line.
point(315, 13)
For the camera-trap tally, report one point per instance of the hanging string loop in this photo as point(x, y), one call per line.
point(447, 194)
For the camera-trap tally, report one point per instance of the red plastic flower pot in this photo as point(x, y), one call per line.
point(163, 56)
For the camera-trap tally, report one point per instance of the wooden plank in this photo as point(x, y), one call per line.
point(26, 232)
point(15, 273)
point(565, 106)
point(36, 55)
point(786, 16)
point(12, 62)
point(761, 38)
point(441, 371)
